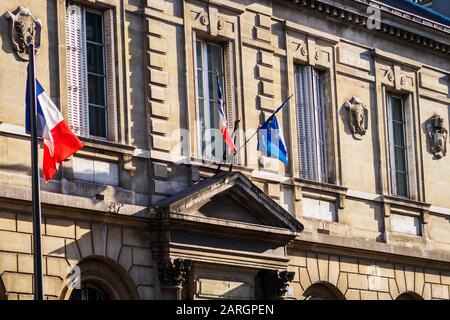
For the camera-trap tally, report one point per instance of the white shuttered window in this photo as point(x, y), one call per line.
point(401, 146)
point(311, 124)
point(90, 72)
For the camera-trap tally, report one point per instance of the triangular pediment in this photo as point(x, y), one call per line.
point(230, 197)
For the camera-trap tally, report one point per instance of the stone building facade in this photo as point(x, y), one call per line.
point(361, 211)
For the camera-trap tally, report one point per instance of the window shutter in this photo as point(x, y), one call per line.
point(111, 105)
point(76, 70)
point(229, 84)
point(411, 153)
point(322, 170)
point(391, 143)
point(311, 124)
point(306, 127)
point(302, 124)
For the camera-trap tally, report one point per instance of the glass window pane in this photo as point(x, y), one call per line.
point(402, 184)
point(399, 134)
point(397, 110)
point(214, 114)
point(95, 58)
point(400, 160)
point(96, 88)
point(94, 27)
point(199, 54)
point(97, 121)
point(215, 58)
point(200, 83)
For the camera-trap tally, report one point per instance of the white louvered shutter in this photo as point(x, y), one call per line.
point(229, 85)
point(229, 93)
point(321, 146)
point(302, 124)
point(311, 124)
point(76, 71)
point(410, 145)
point(391, 142)
point(111, 105)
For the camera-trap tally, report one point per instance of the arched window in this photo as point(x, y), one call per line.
point(101, 279)
point(323, 291)
point(409, 296)
point(89, 291)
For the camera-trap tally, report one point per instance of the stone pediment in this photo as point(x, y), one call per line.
point(229, 199)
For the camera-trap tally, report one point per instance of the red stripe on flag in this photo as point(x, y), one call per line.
point(66, 143)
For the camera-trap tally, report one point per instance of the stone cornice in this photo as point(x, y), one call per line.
point(355, 16)
point(371, 250)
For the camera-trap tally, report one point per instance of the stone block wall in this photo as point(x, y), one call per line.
point(366, 279)
point(67, 243)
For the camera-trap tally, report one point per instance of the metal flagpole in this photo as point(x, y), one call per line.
point(35, 187)
point(254, 133)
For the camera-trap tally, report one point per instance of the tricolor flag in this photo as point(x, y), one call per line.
point(223, 120)
point(59, 141)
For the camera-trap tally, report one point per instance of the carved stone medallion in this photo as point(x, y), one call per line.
point(24, 30)
point(437, 136)
point(358, 115)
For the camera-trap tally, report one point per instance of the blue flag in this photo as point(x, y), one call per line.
point(270, 139)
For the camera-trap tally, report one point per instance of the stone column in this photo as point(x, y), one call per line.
point(173, 276)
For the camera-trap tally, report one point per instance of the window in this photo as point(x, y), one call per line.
point(89, 291)
point(212, 63)
point(401, 146)
point(90, 72)
point(311, 124)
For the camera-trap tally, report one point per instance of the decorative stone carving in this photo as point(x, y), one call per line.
point(437, 136)
point(174, 272)
point(301, 48)
point(24, 30)
point(220, 23)
point(389, 75)
point(203, 18)
point(114, 207)
point(274, 284)
point(358, 115)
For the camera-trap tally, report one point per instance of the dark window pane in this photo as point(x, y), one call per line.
point(95, 58)
point(200, 83)
point(400, 160)
point(214, 114)
point(97, 121)
point(199, 54)
point(94, 27)
point(399, 134)
point(397, 110)
point(402, 184)
point(215, 58)
point(96, 86)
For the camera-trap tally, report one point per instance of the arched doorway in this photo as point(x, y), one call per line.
point(323, 291)
point(409, 296)
point(99, 279)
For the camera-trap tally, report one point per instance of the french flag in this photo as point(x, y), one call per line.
point(223, 121)
point(59, 141)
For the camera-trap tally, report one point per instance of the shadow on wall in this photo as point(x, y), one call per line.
point(2, 290)
point(5, 36)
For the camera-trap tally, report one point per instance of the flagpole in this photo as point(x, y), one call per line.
point(35, 187)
